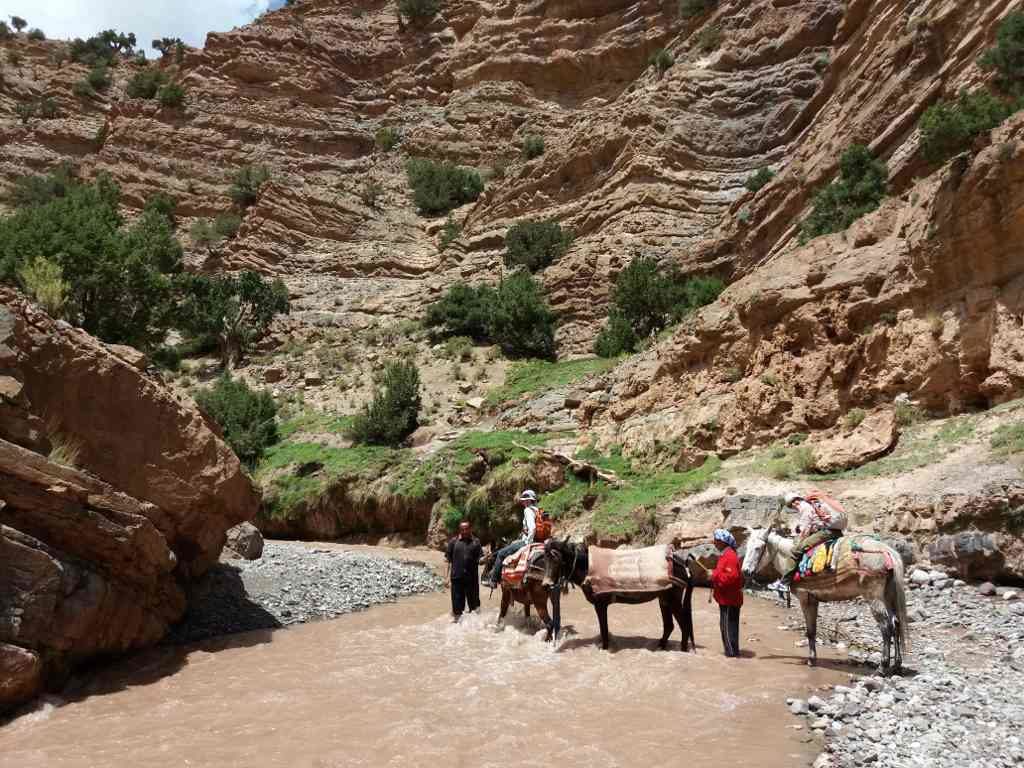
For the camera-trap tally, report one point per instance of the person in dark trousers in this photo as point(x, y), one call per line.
point(727, 584)
point(463, 556)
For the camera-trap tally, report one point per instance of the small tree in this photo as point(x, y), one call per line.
point(236, 311)
point(18, 23)
point(757, 181)
point(950, 127)
point(394, 413)
point(661, 60)
point(617, 336)
point(419, 12)
point(43, 280)
point(145, 84)
point(462, 311)
point(440, 187)
point(858, 190)
point(168, 45)
point(226, 225)
point(246, 183)
point(1007, 57)
point(386, 138)
point(171, 95)
point(534, 244)
point(99, 76)
point(245, 416)
point(162, 204)
point(5, 31)
point(36, 34)
point(450, 233)
point(521, 321)
point(533, 146)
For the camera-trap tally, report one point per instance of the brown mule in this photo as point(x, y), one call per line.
point(532, 593)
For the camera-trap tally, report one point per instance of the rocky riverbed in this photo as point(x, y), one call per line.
point(294, 583)
point(959, 703)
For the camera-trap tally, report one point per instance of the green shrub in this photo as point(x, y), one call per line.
point(1008, 439)
point(246, 183)
point(459, 348)
point(950, 127)
point(690, 9)
point(450, 233)
point(649, 297)
point(709, 38)
point(171, 95)
point(246, 417)
point(227, 225)
point(82, 89)
point(168, 45)
point(907, 414)
point(521, 322)
point(661, 60)
point(616, 338)
point(235, 310)
point(757, 181)
point(1007, 58)
point(145, 84)
point(386, 138)
point(533, 146)
point(534, 244)
point(419, 11)
point(36, 34)
point(43, 280)
point(462, 311)
point(14, 58)
point(394, 413)
point(39, 190)
point(440, 187)
point(859, 190)
point(118, 278)
point(202, 233)
point(102, 47)
point(854, 417)
point(5, 31)
point(99, 76)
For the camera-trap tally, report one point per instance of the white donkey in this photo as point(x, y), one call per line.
point(875, 574)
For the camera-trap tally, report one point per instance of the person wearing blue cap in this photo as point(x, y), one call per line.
point(727, 588)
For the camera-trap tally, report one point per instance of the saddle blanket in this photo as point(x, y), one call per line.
point(515, 566)
point(630, 570)
point(860, 552)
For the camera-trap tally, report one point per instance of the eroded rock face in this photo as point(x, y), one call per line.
point(127, 429)
point(848, 447)
point(86, 568)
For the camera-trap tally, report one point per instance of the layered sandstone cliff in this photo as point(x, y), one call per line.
point(114, 493)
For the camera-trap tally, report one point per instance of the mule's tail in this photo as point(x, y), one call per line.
point(898, 584)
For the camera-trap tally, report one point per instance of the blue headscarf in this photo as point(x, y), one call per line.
point(725, 537)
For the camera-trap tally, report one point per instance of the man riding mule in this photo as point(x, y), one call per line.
point(536, 527)
point(821, 519)
point(862, 566)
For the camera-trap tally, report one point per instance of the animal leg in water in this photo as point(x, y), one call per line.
point(506, 601)
point(602, 620)
point(809, 605)
point(885, 624)
point(685, 623)
point(666, 620)
point(539, 596)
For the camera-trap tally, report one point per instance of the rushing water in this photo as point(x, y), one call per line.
point(400, 685)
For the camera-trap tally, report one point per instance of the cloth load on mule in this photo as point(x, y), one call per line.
point(861, 552)
point(630, 570)
point(515, 567)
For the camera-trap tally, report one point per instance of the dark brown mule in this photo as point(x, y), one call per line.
point(532, 593)
point(567, 562)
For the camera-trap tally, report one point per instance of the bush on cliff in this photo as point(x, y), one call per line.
point(1007, 57)
point(646, 298)
point(950, 127)
point(394, 413)
point(245, 416)
point(419, 11)
point(758, 181)
point(43, 280)
point(102, 47)
point(535, 244)
point(515, 316)
point(246, 184)
point(145, 84)
point(861, 185)
point(439, 187)
point(234, 310)
point(119, 278)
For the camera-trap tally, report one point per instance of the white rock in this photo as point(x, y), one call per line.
point(937, 576)
point(798, 707)
point(1011, 595)
point(920, 577)
point(815, 703)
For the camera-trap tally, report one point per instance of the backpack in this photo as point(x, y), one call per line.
point(543, 526)
point(831, 512)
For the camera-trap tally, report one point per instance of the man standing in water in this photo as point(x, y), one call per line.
point(463, 556)
point(529, 501)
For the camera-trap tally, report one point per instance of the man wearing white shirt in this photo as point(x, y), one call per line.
point(529, 501)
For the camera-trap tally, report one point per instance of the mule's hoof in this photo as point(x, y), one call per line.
point(812, 662)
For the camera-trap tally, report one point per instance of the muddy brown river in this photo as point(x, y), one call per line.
point(400, 685)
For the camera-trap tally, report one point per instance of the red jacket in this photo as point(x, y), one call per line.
point(727, 579)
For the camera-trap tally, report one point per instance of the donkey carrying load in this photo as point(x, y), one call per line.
point(861, 566)
point(609, 576)
point(522, 581)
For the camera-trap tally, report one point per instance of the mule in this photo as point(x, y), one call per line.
point(532, 593)
point(767, 559)
point(569, 563)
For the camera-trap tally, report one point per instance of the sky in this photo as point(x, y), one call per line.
point(148, 19)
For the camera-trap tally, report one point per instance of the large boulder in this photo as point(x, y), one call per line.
point(246, 540)
point(128, 429)
point(875, 436)
point(973, 554)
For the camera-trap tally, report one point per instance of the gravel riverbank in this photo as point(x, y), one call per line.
point(294, 583)
point(960, 701)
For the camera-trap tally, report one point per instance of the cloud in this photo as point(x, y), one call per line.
point(148, 19)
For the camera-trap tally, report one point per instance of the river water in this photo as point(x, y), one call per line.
point(400, 685)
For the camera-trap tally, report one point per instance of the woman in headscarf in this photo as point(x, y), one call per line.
point(727, 584)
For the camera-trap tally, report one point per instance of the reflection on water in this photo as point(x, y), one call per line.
point(402, 686)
